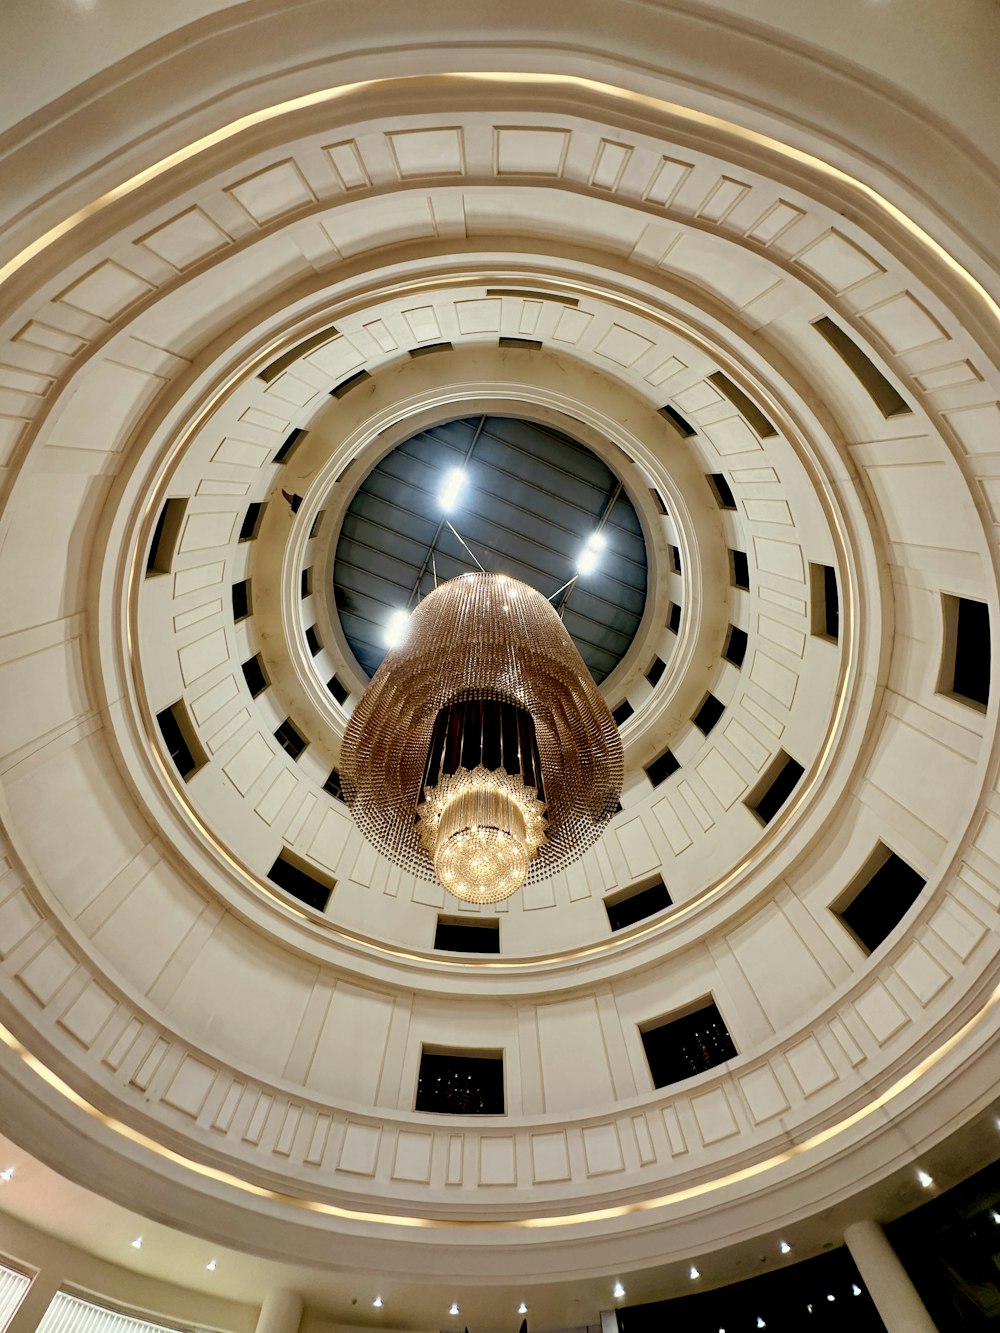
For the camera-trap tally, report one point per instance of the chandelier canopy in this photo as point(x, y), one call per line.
point(482, 752)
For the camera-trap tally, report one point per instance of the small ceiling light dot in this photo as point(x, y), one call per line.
point(522, 1308)
point(395, 628)
point(925, 1179)
point(693, 1273)
point(137, 1243)
point(855, 1289)
point(809, 1308)
point(618, 1292)
point(8, 1174)
point(377, 1303)
point(994, 1214)
point(830, 1296)
point(212, 1265)
point(452, 488)
point(784, 1247)
point(760, 1322)
point(454, 1308)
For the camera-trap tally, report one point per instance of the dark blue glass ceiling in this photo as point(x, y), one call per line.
point(533, 498)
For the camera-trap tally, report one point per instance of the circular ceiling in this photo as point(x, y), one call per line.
point(527, 500)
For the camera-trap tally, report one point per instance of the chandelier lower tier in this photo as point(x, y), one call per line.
point(482, 752)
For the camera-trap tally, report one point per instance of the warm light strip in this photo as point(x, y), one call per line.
point(520, 1223)
point(659, 106)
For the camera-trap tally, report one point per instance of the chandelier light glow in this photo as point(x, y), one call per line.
point(482, 752)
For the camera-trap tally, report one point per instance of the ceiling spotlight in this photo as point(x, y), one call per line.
point(760, 1322)
point(925, 1180)
point(137, 1243)
point(377, 1303)
point(522, 1308)
point(618, 1292)
point(784, 1247)
point(212, 1265)
point(855, 1289)
point(587, 560)
point(693, 1273)
point(994, 1214)
point(8, 1174)
point(454, 1308)
point(395, 628)
point(830, 1296)
point(452, 488)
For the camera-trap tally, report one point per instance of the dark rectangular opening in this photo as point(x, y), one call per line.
point(775, 787)
point(288, 445)
point(674, 417)
point(709, 713)
point(428, 348)
point(746, 407)
point(301, 880)
point(352, 382)
point(293, 354)
point(675, 560)
point(674, 618)
point(166, 535)
point(824, 602)
point(251, 521)
point(526, 343)
point(636, 904)
point(724, 496)
point(966, 660)
point(337, 689)
point(622, 713)
point(736, 646)
point(289, 738)
point(255, 675)
point(658, 500)
point(455, 935)
point(312, 639)
point(888, 401)
point(241, 599)
point(687, 1044)
point(527, 295)
point(333, 785)
point(662, 767)
point(878, 897)
point(739, 569)
point(315, 524)
point(181, 740)
point(655, 670)
point(460, 1082)
point(305, 583)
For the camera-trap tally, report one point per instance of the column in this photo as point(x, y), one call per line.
point(280, 1313)
point(894, 1294)
point(37, 1299)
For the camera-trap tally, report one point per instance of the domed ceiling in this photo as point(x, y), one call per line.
point(770, 373)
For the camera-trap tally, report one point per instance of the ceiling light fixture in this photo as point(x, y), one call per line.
point(522, 1308)
point(925, 1180)
point(693, 1273)
point(482, 752)
point(137, 1243)
point(618, 1291)
point(855, 1289)
point(784, 1247)
point(452, 488)
point(212, 1265)
point(7, 1173)
point(454, 1308)
point(377, 1303)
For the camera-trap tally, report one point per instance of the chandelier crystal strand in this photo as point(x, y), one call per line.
point(482, 752)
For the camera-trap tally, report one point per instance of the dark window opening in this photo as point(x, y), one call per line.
point(888, 401)
point(879, 897)
point(295, 353)
point(312, 639)
point(305, 583)
point(662, 767)
point(824, 602)
point(251, 521)
point(333, 785)
point(722, 491)
point(681, 1047)
point(255, 675)
point(352, 382)
point(774, 789)
point(966, 662)
point(675, 560)
point(428, 348)
point(736, 646)
point(739, 569)
point(339, 691)
point(181, 740)
point(289, 738)
point(674, 618)
point(315, 524)
point(525, 343)
point(622, 713)
point(746, 407)
point(636, 904)
point(301, 880)
point(460, 1083)
point(166, 535)
point(288, 445)
point(658, 500)
point(656, 670)
point(709, 713)
point(673, 416)
point(454, 935)
point(241, 599)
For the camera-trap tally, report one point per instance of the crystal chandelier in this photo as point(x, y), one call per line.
point(482, 752)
